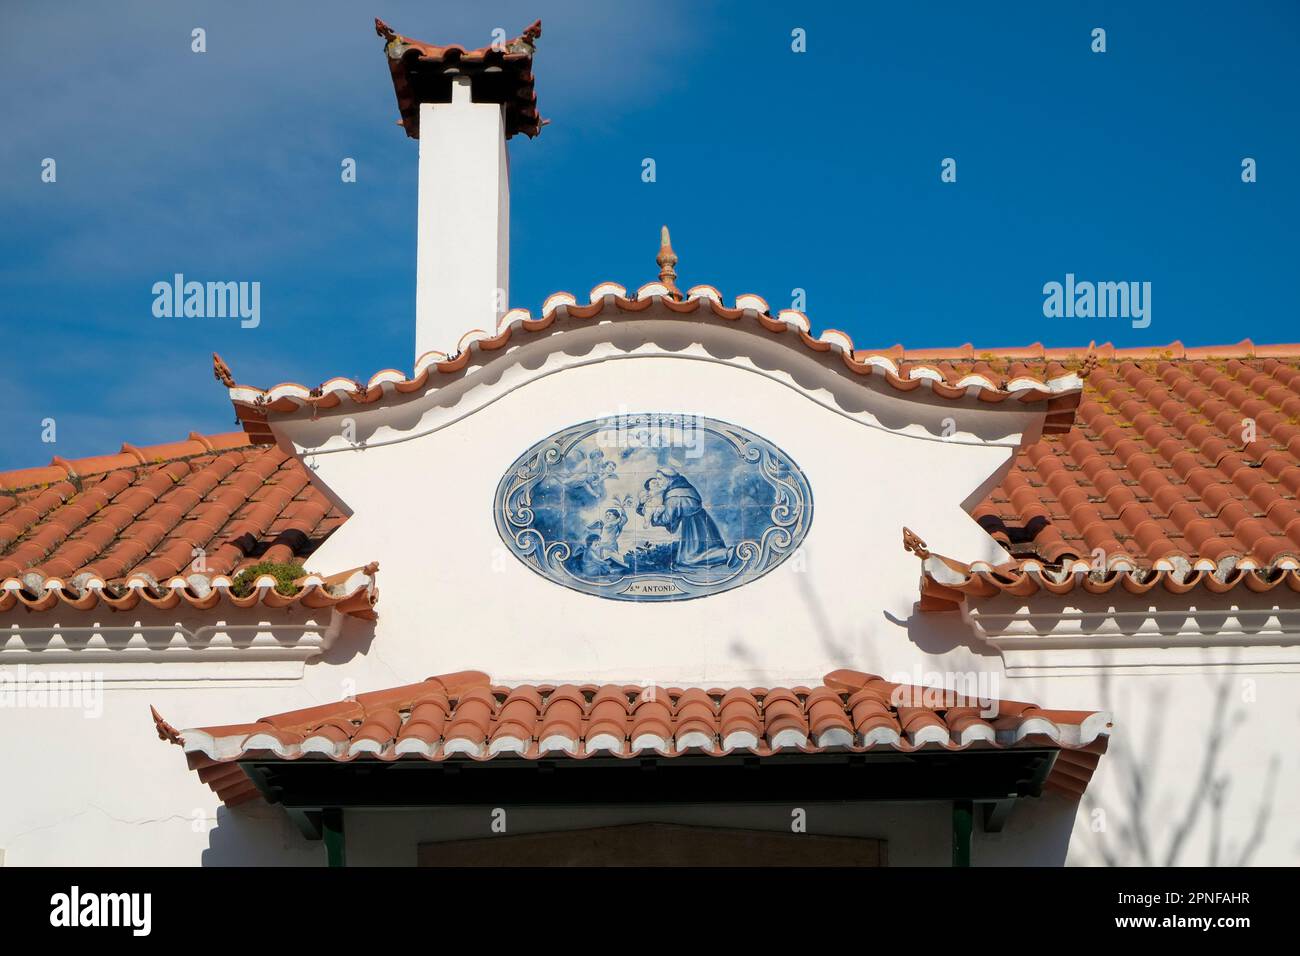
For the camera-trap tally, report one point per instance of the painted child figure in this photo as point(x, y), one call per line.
point(611, 526)
point(602, 550)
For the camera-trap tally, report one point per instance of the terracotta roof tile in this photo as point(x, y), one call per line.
point(126, 528)
point(1160, 472)
point(465, 716)
point(946, 590)
point(1172, 463)
point(1050, 381)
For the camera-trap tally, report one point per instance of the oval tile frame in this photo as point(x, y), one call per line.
point(705, 507)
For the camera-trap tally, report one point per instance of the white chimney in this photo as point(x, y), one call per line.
point(462, 105)
point(462, 278)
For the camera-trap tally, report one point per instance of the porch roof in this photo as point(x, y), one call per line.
point(463, 718)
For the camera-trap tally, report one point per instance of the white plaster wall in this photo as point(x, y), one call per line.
point(452, 594)
point(1202, 745)
point(1202, 768)
point(106, 791)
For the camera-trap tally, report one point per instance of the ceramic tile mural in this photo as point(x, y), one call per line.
point(653, 507)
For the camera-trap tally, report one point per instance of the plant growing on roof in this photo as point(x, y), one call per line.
point(285, 575)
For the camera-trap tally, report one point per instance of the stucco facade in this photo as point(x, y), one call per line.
point(1195, 690)
point(1197, 767)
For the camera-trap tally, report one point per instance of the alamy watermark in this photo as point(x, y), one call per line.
point(52, 690)
point(75, 908)
point(935, 691)
point(1098, 300)
point(653, 430)
point(208, 300)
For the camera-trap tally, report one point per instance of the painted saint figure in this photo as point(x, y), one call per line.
point(670, 501)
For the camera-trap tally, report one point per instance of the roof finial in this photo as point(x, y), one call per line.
point(913, 543)
point(1090, 361)
point(165, 730)
point(221, 371)
point(667, 259)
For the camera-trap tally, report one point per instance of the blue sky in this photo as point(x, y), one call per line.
point(776, 170)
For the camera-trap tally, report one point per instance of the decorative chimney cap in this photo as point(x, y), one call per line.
point(667, 259)
point(500, 73)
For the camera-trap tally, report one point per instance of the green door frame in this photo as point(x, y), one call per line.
point(963, 819)
point(331, 825)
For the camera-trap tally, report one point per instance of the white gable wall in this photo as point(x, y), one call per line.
point(442, 560)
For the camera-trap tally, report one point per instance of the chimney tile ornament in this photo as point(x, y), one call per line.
point(500, 73)
point(526, 42)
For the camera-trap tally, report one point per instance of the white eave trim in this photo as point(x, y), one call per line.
point(1155, 633)
point(237, 648)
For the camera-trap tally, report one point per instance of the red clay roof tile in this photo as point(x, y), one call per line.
point(126, 528)
point(850, 711)
point(1050, 381)
point(1156, 473)
point(1159, 471)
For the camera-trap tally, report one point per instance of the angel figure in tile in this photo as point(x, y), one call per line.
point(670, 501)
